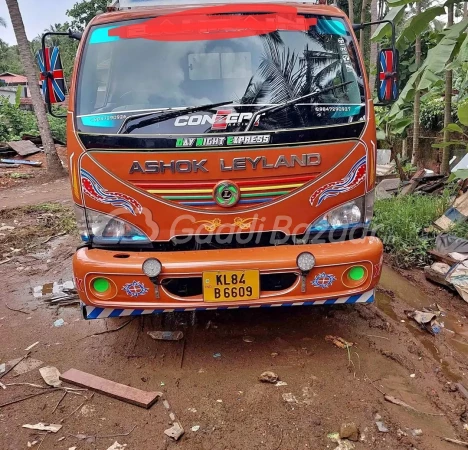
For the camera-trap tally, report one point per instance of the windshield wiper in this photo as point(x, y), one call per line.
point(291, 102)
point(157, 117)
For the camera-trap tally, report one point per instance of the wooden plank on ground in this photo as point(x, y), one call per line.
point(414, 182)
point(9, 166)
point(23, 148)
point(112, 389)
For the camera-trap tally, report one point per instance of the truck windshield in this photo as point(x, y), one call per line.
point(124, 76)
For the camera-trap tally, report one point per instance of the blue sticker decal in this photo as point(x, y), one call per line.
point(327, 26)
point(323, 280)
point(101, 35)
point(135, 289)
point(101, 120)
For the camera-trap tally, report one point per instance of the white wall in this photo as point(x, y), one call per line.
point(9, 93)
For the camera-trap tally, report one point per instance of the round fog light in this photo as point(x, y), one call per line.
point(305, 261)
point(357, 273)
point(101, 285)
point(152, 267)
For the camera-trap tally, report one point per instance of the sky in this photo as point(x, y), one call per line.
point(37, 16)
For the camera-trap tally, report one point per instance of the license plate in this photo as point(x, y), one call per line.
point(231, 285)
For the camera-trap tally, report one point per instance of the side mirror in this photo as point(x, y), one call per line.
point(387, 75)
point(54, 88)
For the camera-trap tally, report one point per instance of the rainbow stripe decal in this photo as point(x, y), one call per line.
point(92, 188)
point(200, 194)
point(355, 177)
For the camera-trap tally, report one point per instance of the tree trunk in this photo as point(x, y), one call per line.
point(351, 10)
point(445, 169)
point(416, 156)
point(465, 10)
point(54, 166)
point(373, 48)
point(361, 32)
point(404, 149)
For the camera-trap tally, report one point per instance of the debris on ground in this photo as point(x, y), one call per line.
point(458, 212)
point(437, 273)
point(381, 426)
point(334, 437)
point(166, 335)
point(54, 288)
point(26, 365)
point(387, 188)
point(345, 445)
point(338, 341)
point(52, 427)
point(268, 377)
point(458, 277)
point(31, 346)
point(281, 383)
point(195, 428)
point(288, 397)
point(217, 355)
point(455, 441)
point(24, 148)
point(175, 432)
point(51, 376)
point(2, 368)
point(417, 432)
point(399, 402)
point(117, 446)
point(462, 390)
point(427, 318)
point(248, 339)
point(349, 431)
point(59, 323)
point(410, 187)
point(25, 162)
point(112, 389)
point(12, 365)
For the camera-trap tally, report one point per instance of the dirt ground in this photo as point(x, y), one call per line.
point(211, 377)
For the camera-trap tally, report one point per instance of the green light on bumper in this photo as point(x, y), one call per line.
point(356, 273)
point(101, 285)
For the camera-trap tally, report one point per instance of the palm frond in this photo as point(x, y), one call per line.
point(254, 93)
point(281, 70)
point(274, 37)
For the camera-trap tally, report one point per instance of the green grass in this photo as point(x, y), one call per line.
point(404, 223)
point(460, 229)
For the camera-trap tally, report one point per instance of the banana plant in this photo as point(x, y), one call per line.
point(456, 128)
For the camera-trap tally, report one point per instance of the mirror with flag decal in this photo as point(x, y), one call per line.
point(54, 88)
point(387, 75)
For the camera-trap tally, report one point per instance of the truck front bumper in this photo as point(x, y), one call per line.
point(179, 286)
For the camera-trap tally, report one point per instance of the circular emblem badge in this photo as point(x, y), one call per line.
point(226, 194)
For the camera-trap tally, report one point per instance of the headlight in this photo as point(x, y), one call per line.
point(344, 216)
point(351, 214)
point(104, 229)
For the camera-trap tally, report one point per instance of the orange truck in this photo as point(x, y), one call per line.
point(221, 156)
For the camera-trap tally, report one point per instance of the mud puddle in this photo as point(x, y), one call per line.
point(453, 331)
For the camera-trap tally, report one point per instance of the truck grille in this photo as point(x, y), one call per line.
point(192, 287)
point(200, 194)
